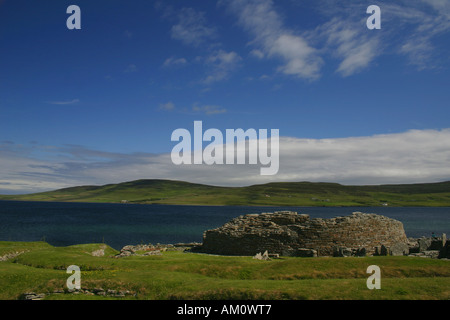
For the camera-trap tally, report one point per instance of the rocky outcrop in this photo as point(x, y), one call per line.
point(291, 234)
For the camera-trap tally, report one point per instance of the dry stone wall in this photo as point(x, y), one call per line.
point(289, 233)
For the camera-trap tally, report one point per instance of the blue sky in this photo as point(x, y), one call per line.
point(78, 105)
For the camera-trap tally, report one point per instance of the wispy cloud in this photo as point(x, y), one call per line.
point(349, 42)
point(192, 28)
point(257, 53)
point(419, 52)
point(209, 109)
point(408, 29)
point(172, 61)
point(62, 103)
point(421, 23)
point(220, 64)
point(442, 6)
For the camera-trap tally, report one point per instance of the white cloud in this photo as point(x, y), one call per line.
point(443, 6)
point(410, 157)
point(419, 51)
point(257, 53)
point(351, 43)
point(220, 64)
point(413, 156)
point(172, 61)
point(273, 40)
point(410, 29)
point(192, 28)
point(301, 59)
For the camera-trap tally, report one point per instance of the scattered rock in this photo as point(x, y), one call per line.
point(445, 251)
point(97, 290)
point(351, 252)
point(430, 247)
point(343, 252)
point(138, 250)
point(285, 232)
point(434, 254)
point(32, 296)
point(264, 256)
point(384, 251)
point(100, 252)
point(85, 291)
point(399, 249)
point(423, 244)
point(361, 252)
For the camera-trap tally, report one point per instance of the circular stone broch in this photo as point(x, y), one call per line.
point(291, 234)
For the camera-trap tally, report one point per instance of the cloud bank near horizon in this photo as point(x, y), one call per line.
point(414, 156)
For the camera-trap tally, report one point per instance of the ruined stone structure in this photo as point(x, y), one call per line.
point(291, 234)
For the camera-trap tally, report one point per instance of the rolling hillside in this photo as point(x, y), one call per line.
point(271, 194)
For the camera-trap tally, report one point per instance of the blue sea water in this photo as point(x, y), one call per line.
point(63, 224)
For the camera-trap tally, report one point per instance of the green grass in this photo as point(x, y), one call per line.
point(271, 194)
point(177, 275)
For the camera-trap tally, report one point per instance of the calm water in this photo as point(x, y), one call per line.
point(63, 224)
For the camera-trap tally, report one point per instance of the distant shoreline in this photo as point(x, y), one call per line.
point(226, 205)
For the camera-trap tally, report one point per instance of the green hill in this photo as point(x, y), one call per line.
point(271, 194)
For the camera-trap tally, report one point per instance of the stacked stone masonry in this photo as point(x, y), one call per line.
point(289, 234)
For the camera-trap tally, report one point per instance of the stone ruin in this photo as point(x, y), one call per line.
point(291, 234)
point(153, 250)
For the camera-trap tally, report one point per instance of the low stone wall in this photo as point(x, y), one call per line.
point(287, 233)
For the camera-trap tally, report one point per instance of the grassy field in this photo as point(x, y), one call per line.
point(41, 268)
point(271, 194)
